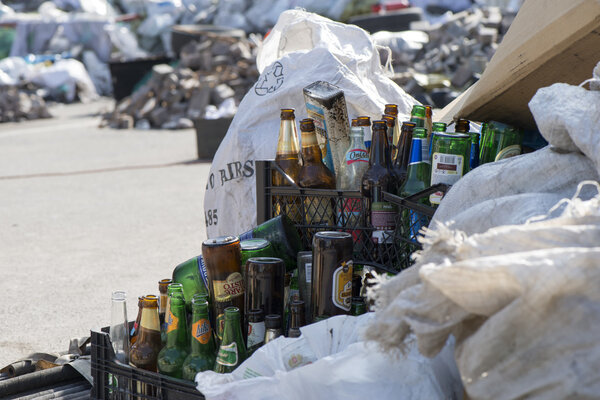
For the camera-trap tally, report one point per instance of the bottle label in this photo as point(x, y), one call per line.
point(201, 330)
point(308, 267)
point(357, 155)
point(416, 152)
point(172, 322)
point(256, 333)
point(202, 270)
point(341, 292)
point(383, 216)
point(228, 355)
point(349, 216)
point(417, 221)
point(232, 286)
point(448, 169)
point(509, 151)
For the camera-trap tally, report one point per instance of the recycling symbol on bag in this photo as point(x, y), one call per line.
point(270, 81)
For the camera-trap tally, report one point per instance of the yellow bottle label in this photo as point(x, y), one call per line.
point(172, 322)
point(232, 286)
point(341, 293)
point(201, 330)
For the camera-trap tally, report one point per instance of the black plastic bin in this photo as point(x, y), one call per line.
point(392, 256)
point(113, 380)
point(126, 74)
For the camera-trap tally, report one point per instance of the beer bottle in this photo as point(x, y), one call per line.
point(332, 273)
point(297, 319)
point(273, 327)
point(255, 248)
point(353, 122)
point(232, 351)
point(136, 325)
point(304, 279)
point(358, 307)
point(315, 175)
point(172, 289)
point(202, 345)
point(365, 123)
point(256, 330)
point(392, 109)
point(172, 356)
point(429, 122)
point(499, 141)
point(265, 287)
point(419, 117)
point(162, 305)
point(192, 275)
point(222, 257)
point(450, 158)
point(144, 352)
point(418, 178)
point(378, 179)
point(223, 301)
point(402, 156)
point(462, 126)
point(283, 236)
point(438, 127)
point(391, 126)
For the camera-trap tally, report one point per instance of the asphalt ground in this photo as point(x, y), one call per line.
point(85, 211)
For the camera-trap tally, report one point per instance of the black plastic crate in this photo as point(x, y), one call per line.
point(114, 380)
point(302, 205)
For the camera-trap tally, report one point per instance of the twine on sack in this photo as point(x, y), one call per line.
point(388, 68)
point(575, 206)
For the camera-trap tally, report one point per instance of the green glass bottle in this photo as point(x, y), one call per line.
point(172, 356)
point(450, 158)
point(202, 345)
point(172, 289)
point(418, 116)
point(191, 274)
point(499, 141)
point(255, 248)
point(358, 306)
point(232, 351)
point(283, 236)
point(417, 179)
point(439, 127)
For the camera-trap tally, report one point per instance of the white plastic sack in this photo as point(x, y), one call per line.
point(301, 49)
point(330, 362)
point(69, 74)
point(521, 300)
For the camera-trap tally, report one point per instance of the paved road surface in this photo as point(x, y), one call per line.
point(85, 211)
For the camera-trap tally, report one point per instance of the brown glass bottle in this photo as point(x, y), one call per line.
point(287, 158)
point(136, 325)
point(265, 285)
point(222, 257)
point(331, 290)
point(390, 121)
point(462, 126)
point(162, 305)
point(400, 165)
point(297, 319)
point(313, 173)
point(144, 352)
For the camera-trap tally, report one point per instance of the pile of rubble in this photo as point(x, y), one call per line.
point(435, 62)
point(212, 78)
point(21, 102)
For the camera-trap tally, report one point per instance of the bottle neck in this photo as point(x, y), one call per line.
point(176, 324)
point(232, 332)
point(149, 324)
point(288, 138)
point(357, 138)
point(311, 152)
point(201, 338)
point(378, 148)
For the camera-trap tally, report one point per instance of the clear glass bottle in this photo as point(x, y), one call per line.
point(273, 327)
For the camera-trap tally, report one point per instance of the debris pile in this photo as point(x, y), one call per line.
point(21, 102)
point(211, 80)
point(435, 62)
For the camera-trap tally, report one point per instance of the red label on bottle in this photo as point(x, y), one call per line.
point(232, 286)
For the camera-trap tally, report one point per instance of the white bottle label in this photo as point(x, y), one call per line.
point(446, 168)
point(256, 333)
point(308, 272)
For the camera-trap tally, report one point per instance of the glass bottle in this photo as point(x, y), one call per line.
point(256, 330)
point(450, 159)
point(358, 307)
point(315, 175)
point(418, 178)
point(202, 345)
point(118, 331)
point(162, 305)
point(429, 122)
point(392, 109)
point(462, 126)
point(438, 127)
point(283, 236)
point(419, 117)
point(136, 325)
point(255, 248)
point(265, 286)
point(365, 123)
point(273, 327)
point(172, 289)
point(191, 274)
point(391, 126)
point(297, 319)
point(172, 356)
point(222, 303)
point(305, 279)
point(499, 141)
point(232, 351)
point(378, 179)
point(222, 256)
point(402, 156)
point(144, 352)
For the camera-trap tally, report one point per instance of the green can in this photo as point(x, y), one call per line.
point(450, 155)
point(499, 141)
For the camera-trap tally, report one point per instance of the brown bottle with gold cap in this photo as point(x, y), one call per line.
point(314, 174)
point(144, 352)
point(136, 325)
point(222, 256)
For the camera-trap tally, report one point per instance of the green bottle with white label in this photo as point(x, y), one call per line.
point(232, 351)
point(450, 159)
